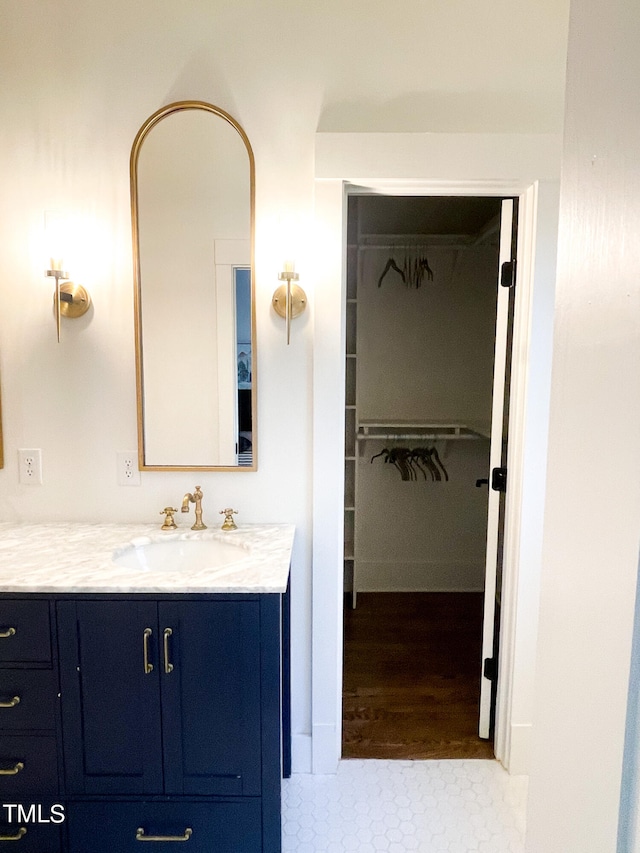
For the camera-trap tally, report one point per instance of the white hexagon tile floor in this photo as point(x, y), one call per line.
point(397, 806)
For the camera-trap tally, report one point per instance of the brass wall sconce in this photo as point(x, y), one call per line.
point(289, 300)
point(69, 299)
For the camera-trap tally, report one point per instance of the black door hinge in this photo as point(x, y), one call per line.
point(499, 479)
point(508, 273)
point(489, 670)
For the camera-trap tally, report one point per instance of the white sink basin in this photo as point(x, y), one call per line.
point(176, 555)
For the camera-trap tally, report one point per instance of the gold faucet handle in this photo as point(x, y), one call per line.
point(169, 523)
point(229, 523)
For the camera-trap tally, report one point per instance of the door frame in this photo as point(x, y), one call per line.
point(328, 482)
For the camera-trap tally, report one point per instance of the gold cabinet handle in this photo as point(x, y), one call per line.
point(168, 666)
point(12, 771)
point(10, 703)
point(148, 666)
point(10, 632)
point(140, 836)
point(19, 834)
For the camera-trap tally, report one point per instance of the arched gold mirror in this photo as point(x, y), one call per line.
point(192, 204)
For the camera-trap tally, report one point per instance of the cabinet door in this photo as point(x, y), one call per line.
point(211, 697)
point(110, 696)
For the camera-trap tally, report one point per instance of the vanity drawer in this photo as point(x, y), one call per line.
point(28, 768)
point(223, 827)
point(25, 635)
point(29, 837)
point(27, 699)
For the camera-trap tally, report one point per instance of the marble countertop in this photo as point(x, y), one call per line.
point(78, 557)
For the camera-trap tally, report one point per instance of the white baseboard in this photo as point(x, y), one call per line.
point(519, 758)
point(301, 753)
point(315, 754)
point(325, 752)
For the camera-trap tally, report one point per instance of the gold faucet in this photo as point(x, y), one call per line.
point(195, 498)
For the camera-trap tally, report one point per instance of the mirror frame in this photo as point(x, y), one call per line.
point(149, 124)
point(1, 439)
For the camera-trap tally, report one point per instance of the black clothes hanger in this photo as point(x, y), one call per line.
point(416, 459)
point(400, 458)
point(427, 457)
point(384, 452)
point(434, 453)
point(423, 267)
point(391, 265)
point(410, 462)
point(423, 454)
point(414, 268)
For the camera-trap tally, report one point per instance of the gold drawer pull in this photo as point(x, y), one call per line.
point(12, 771)
point(140, 836)
point(10, 632)
point(168, 666)
point(11, 703)
point(19, 834)
point(148, 667)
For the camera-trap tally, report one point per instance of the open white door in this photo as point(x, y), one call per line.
point(497, 471)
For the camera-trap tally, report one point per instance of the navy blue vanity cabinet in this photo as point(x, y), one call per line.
point(28, 728)
point(171, 721)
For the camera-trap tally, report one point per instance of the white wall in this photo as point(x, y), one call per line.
point(78, 80)
point(592, 518)
point(427, 353)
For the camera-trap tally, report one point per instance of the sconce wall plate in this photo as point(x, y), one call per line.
point(74, 299)
point(298, 301)
point(69, 299)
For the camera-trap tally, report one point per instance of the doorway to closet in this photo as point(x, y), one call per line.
point(422, 302)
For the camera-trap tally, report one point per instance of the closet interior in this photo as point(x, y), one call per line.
point(421, 315)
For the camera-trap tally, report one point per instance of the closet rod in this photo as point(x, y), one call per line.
point(418, 436)
point(427, 244)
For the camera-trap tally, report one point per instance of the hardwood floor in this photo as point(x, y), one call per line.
point(412, 676)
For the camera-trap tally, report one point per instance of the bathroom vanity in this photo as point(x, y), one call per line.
point(142, 704)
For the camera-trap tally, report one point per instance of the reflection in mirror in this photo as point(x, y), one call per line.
point(192, 191)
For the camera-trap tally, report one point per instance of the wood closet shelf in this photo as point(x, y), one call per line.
point(381, 430)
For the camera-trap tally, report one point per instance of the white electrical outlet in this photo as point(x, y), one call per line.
point(128, 473)
point(30, 466)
